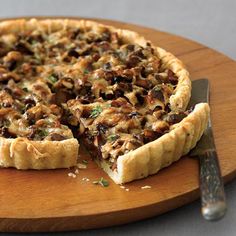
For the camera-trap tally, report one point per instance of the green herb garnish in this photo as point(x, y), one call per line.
point(85, 162)
point(102, 182)
point(42, 133)
point(52, 78)
point(158, 87)
point(113, 137)
point(25, 89)
point(34, 42)
point(86, 71)
point(96, 112)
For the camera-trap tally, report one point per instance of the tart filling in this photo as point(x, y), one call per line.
point(113, 128)
point(66, 79)
point(40, 71)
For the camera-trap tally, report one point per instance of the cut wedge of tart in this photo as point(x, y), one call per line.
point(67, 80)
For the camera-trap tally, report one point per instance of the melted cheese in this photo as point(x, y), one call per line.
point(108, 88)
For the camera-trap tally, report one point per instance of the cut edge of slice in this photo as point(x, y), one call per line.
point(150, 158)
point(23, 153)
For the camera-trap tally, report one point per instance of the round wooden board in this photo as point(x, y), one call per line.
point(36, 201)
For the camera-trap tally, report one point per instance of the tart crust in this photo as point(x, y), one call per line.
point(22, 153)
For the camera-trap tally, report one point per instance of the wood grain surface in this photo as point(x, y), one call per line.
point(37, 201)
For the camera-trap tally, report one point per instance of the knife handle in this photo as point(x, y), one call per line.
point(212, 187)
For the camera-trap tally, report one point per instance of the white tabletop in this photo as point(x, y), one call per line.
point(210, 22)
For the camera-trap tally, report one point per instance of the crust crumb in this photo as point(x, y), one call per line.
point(146, 187)
point(81, 166)
point(72, 175)
point(86, 179)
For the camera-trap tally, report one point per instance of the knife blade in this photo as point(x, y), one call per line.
point(211, 183)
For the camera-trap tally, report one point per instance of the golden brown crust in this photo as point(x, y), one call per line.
point(179, 100)
point(22, 153)
point(152, 157)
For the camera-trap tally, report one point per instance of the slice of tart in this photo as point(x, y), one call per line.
point(131, 143)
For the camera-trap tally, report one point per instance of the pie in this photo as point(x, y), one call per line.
point(123, 98)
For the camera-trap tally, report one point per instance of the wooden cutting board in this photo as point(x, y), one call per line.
point(36, 201)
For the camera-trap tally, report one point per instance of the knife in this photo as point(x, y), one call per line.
point(211, 184)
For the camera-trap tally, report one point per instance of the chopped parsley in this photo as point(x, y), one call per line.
point(102, 182)
point(34, 42)
point(25, 89)
point(42, 133)
point(52, 79)
point(113, 137)
point(158, 87)
point(86, 71)
point(96, 112)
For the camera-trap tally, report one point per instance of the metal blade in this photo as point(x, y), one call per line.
point(200, 93)
point(211, 184)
